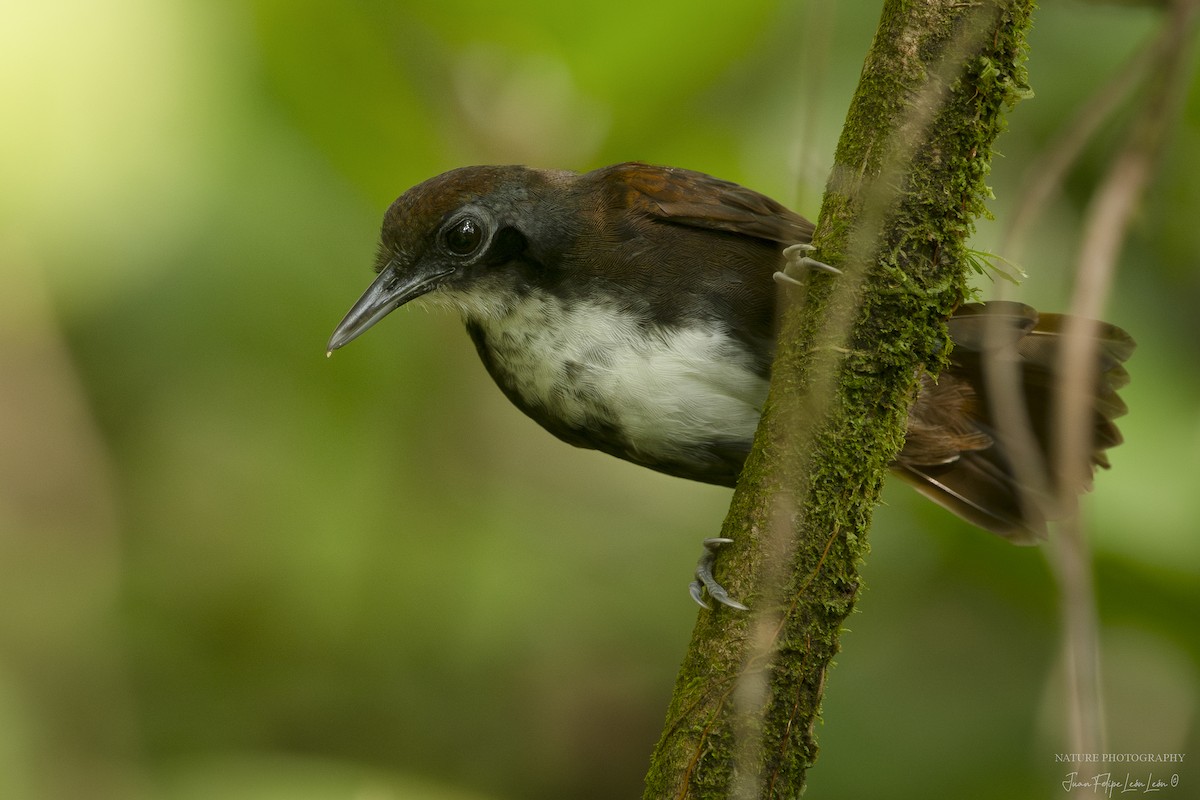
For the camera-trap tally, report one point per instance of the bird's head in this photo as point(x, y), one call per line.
point(462, 239)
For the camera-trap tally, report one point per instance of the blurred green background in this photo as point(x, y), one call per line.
point(232, 568)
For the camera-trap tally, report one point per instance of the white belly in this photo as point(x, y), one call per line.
point(664, 394)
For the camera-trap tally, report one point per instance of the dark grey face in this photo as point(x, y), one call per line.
point(461, 232)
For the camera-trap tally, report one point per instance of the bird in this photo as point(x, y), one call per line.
point(633, 310)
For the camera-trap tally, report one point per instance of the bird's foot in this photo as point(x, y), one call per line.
point(798, 262)
point(705, 580)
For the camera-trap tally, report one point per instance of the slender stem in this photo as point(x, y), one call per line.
point(1104, 232)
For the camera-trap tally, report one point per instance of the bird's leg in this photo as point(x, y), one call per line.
point(705, 580)
point(798, 261)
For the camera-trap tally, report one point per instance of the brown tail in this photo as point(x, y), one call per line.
point(992, 462)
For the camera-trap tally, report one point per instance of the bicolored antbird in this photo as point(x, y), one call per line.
point(632, 310)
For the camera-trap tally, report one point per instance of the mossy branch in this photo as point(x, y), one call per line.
point(907, 184)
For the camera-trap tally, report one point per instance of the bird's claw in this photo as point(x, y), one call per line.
point(705, 580)
point(798, 261)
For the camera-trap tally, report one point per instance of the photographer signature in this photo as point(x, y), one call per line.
point(1105, 782)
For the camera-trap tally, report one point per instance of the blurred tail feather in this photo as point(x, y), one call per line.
point(989, 456)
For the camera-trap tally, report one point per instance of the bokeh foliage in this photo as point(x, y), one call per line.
point(232, 568)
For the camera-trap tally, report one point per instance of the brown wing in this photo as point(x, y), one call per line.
point(694, 199)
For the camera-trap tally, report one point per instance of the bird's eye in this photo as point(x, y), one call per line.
point(464, 236)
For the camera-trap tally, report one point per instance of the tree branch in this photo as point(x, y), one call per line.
point(907, 184)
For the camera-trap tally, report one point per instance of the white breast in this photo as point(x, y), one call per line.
point(589, 363)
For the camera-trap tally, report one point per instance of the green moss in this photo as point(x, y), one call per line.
point(915, 275)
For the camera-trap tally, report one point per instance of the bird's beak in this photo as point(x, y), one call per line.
point(388, 292)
